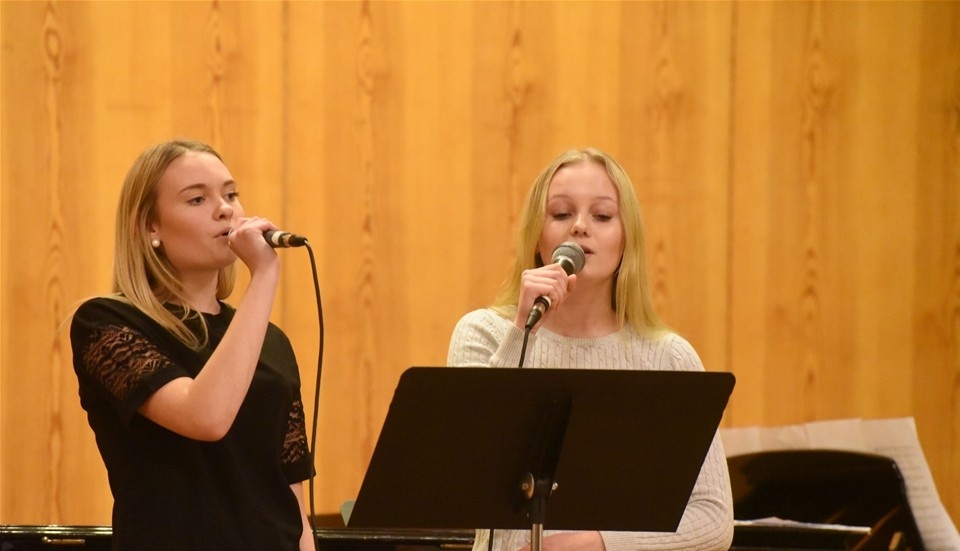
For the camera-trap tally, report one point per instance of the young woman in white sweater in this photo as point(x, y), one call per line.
point(602, 317)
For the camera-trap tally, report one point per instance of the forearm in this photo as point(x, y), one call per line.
point(219, 389)
point(572, 541)
point(205, 407)
point(307, 540)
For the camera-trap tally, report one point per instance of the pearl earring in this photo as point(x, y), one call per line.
point(155, 243)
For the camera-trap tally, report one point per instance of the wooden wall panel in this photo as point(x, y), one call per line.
point(935, 319)
point(839, 224)
point(675, 142)
point(841, 241)
point(797, 164)
point(87, 87)
point(41, 429)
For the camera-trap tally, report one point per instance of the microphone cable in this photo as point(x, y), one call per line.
point(316, 395)
point(282, 239)
point(523, 349)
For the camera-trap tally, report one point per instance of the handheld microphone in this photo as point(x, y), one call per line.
point(571, 258)
point(282, 239)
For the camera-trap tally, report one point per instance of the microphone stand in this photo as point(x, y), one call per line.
point(536, 488)
point(537, 491)
point(538, 483)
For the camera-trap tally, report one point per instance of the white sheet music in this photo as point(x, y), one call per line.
point(894, 438)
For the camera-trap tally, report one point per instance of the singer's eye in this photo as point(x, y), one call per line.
point(603, 217)
point(233, 196)
point(560, 215)
point(195, 200)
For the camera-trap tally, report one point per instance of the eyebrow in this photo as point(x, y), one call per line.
point(565, 196)
point(204, 185)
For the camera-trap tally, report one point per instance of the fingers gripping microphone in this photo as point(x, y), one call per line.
point(571, 258)
point(282, 239)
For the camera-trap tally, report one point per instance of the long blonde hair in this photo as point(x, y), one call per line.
point(142, 275)
point(631, 298)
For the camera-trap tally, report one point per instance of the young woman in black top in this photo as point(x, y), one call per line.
point(195, 404)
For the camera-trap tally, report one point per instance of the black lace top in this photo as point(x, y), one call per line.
point(172, 492)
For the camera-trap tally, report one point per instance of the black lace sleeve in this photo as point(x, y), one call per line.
point(116, 362)
point(296, 451)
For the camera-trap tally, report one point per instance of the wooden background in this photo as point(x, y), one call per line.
point(798, 164)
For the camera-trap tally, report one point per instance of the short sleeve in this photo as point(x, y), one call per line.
point(117, 361)
point(295, 460)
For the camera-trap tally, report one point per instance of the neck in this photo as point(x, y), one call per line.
point(202, 294)
point(585, 313)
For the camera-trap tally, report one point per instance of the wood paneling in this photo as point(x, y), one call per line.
point(798, 165)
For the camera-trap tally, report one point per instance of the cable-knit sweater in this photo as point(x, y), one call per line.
point(484, 338)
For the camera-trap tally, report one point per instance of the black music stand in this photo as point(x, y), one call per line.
point(465, 448)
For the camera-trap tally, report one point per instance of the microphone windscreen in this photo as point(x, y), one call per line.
point(572, 252)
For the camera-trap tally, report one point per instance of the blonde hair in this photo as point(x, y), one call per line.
point(631, 298)
point(142, 275)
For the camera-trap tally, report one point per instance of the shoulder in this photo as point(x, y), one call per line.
point(484, 338)
point(682, 354)
point(113, 316)
point(104, 303)
point(676, 343)
point(107, 309)
point(670, 351)
point(484, 325)
point(484, 319)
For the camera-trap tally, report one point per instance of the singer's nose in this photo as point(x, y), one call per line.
point(579, 225)
point(225, 209)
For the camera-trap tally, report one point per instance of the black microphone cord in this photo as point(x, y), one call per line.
point(316, 395)
point(523, 349)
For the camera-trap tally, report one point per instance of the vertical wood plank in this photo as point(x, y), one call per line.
point(797, 164)
point(935, 388)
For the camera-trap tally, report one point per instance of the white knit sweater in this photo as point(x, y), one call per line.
point(484, 338)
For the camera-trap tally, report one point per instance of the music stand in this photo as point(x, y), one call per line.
point(623, 447)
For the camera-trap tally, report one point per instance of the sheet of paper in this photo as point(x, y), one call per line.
point(894, 438)
point(779, 522)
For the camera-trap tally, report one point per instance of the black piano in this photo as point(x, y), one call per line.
point(98, 538)
point(833, 500)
